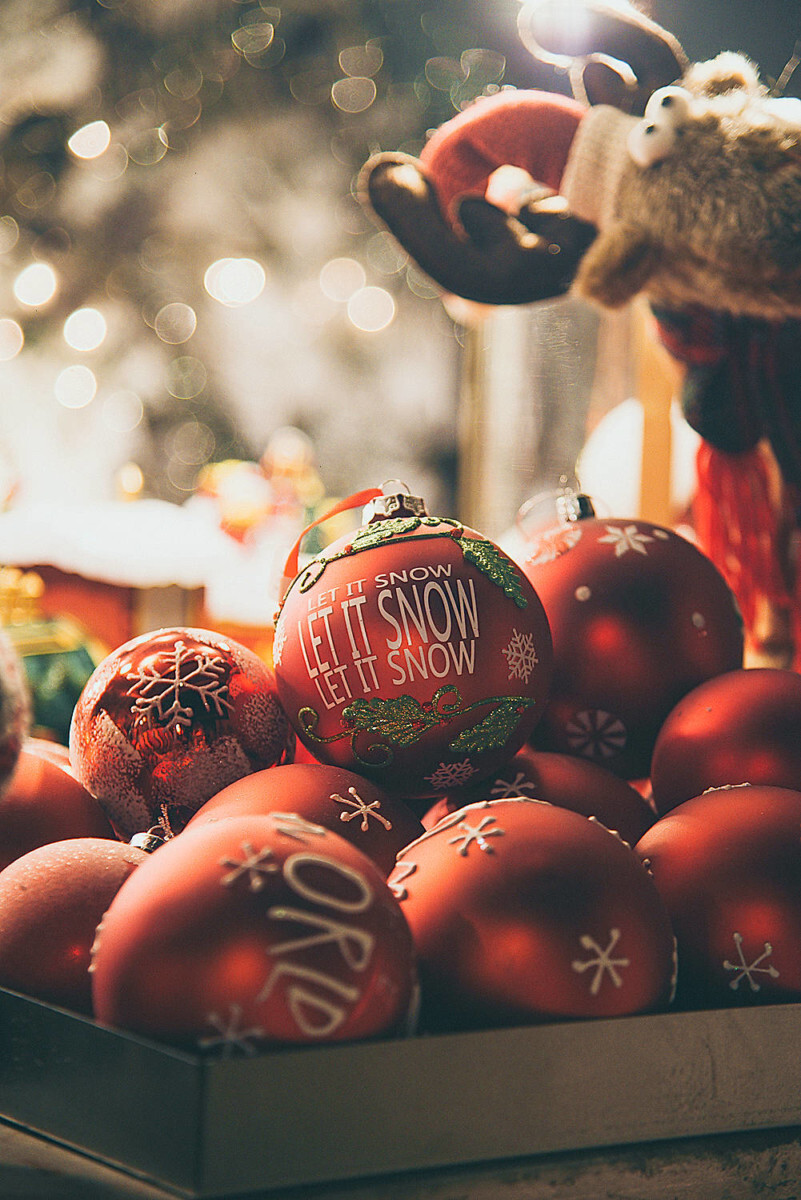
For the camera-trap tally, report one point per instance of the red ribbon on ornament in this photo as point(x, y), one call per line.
point(357, 500)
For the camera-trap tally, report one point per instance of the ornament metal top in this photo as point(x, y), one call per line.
point(413, 651)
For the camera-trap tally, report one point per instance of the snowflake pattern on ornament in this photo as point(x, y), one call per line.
point(451, 775)
point(747, 970)
point(625, 539)
point(230, 1034)
point(601, 961)
point(552, 544)
point(163, 697)
point(595, 733)
point(504, 789)
point(477, 834)
point(254, 865)
point(279, 641)
point(520, 655)
point(360, 808)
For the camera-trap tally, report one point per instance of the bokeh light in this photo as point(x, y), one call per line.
point(12, 339)
point(85, 329)
point(341, 277)
point(75, 387)
point(90, 141)
point(235, 281)
point(36, 284)
point(122, 411)
point(353, 94)
point(175, 323)
point(9, 234)
point(371, 309)
point(186, 377)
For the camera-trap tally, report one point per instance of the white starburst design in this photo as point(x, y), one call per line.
point(601, 961)
point(748, 970)
point(476, 833)
point(163, 698)
point(595, 733)
point(360, 808)
point(229, 1034)
point(553, 544)
point(502, 789)
point(255, 865)
point(520, 655)
point(279, 641)
point(451, 775)
point(625, 538)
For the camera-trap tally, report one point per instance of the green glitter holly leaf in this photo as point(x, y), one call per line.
point(402, 720)
point(382, 531)
point(495, 729)
point(497, 566)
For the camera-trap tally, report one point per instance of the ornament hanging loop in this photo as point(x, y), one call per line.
point(357, 500)
point(394, 500)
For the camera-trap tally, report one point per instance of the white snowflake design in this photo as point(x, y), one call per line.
point(595, 733)
point(552, 544)
point(601, 961)
point(476, 833)
point(625, 538)
point(229, 1034)
point(747, 970)
point(520, 655)
point(279, 641)
point(451, 775)
point(255, 865)
point(502, 789)
point(360, 808)
point(162, 698)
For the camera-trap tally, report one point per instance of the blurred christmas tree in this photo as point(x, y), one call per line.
point(186, 265)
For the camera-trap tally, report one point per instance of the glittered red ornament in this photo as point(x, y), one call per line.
point(523, 911)
point(51, 902)
point(376, 823)
point(254, 930)
point(569, 782)
point(413, 652)
point(639, 617)
point(170, 718)
point(728, 867)
point(741, 727)
point(42, 803)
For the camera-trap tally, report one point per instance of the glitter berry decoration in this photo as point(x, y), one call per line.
point(170, 718)
point(413, 652)
point(639, 617)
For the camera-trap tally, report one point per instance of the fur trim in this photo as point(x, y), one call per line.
point(597, 159)
point(726, 73)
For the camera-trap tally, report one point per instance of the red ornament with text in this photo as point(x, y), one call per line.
point(413, 652)
point(522, 911)
point(569, 782)
point(728, 867)
point(51, 901)
point(742, 727)
point(170, 718)
point(255, 930)
point(42, 803)
point(639, 617)
point(376, 823)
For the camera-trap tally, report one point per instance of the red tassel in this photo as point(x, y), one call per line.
point(739, 528)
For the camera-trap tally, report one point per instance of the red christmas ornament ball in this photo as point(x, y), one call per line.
point(51, 902)
point(170, 718)
point(523, 911)
point(42, 803)
point(742, 727)
point(568, 782)
point(376, 823)
point(639, 617)
point(255, 930)
point(413, 652)
point(728, 867)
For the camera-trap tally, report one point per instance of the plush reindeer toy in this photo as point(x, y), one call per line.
point(678, 181)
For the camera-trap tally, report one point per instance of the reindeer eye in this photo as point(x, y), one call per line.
point(652, 139)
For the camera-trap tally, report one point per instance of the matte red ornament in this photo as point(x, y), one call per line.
point(413, 652)
point(42, 803)
point(255, 930)
point(569, 782)
point(376, 823)
point(728, 867)
point(51, 902)
point(741, 727)
point(523, 911)
point(170, 718)
point(639, 617)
